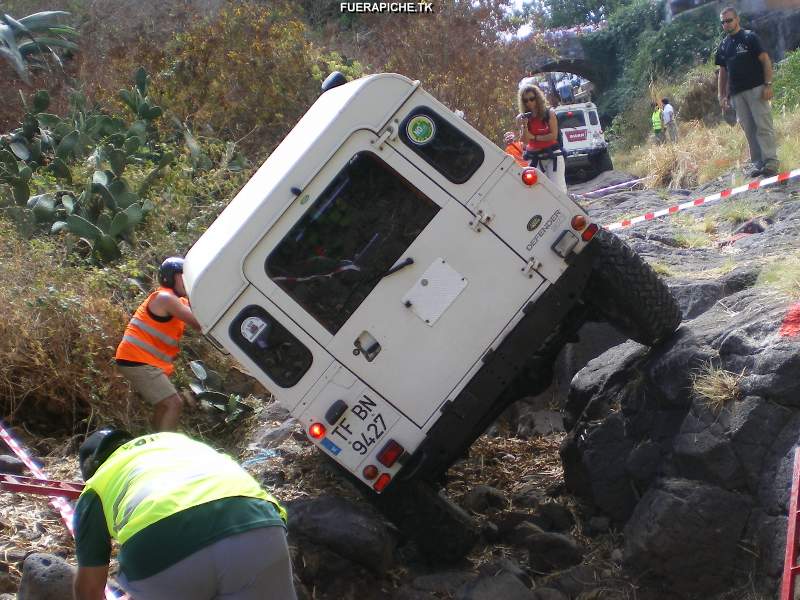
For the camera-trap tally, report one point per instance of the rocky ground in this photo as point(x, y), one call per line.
point(651, 487)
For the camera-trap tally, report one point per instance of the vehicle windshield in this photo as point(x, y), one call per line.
point(572, 118)
point(351, 236)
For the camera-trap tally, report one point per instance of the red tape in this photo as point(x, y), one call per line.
point(60, 504)
point(753, 185)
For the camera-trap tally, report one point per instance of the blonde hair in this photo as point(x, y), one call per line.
point(540, 104)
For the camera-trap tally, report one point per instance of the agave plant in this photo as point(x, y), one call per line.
point(31, 41)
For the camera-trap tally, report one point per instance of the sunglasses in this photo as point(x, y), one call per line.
point(726, 21)
point(529, 99)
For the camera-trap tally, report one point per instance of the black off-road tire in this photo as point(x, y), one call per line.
point(625, 291)
point(442, 530)
point(604, 162)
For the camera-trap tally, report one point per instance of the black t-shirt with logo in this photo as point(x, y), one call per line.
point(739, 55)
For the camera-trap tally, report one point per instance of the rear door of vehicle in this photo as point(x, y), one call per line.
point(382, 267)
point(574, 127)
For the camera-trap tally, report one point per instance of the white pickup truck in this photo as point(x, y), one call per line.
point(396, 280)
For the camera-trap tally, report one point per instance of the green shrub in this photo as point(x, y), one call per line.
point(244, 75)
point(787, 82)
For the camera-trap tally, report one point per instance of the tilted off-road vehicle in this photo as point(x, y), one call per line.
point(396, 280)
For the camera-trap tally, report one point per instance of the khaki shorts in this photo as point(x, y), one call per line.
point(149, 382)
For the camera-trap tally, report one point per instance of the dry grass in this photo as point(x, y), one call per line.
point(58, 334)
point(704, 153)
point(783, 275)
point(716, 386)
point(740, 210)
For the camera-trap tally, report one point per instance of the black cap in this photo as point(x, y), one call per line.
point(98, 447)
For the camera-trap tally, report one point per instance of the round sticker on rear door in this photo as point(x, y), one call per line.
point(420, 129)
point(252, 328)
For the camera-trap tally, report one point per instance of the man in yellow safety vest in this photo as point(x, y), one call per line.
point(192, 524)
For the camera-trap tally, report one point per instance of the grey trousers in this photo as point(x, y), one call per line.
point(672, 130)
point(253, 565)
point(755, 117)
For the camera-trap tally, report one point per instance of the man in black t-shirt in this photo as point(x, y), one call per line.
point(745, 80)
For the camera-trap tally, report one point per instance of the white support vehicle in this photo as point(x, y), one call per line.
point(390, 274)
point(583, 143)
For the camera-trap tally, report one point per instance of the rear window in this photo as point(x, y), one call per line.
point(572, 118)
point(593, 118)
point(348, 239)
point(270, 345)
point(441, 145)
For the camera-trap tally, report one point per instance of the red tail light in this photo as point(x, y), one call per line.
point(390, 453)
point(589, 232)
point(382, 482)
point(529, 176)
point(317, 431)
point(578, 222)
point(370, 472)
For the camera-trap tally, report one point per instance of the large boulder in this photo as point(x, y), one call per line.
point(45, 577)
point(688, 533)
point(353, 532)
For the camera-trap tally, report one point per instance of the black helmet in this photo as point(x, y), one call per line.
point(168, 269)
point(98, 447)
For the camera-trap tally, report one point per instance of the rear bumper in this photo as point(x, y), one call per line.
point(583, 157)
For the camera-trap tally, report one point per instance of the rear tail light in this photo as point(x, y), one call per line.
point(317, 431)
point(529, 176)
point(390, 453)
point(382, 482)
point(589, 232)
point(370, 472)
point(578, 222)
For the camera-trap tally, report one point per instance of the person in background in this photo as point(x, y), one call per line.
point(745, 81)
point(668, 117)
point(657, 123)
point(150, 344)
point(191, 523)
point(538, 131)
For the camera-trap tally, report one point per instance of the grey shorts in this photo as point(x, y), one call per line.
point(149, 382)
point(254, 565)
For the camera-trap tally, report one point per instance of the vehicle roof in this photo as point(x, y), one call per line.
point(213, 271)
point(578, 106)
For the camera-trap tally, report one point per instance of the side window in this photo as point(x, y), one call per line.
point(441, 145)
point(341, 248)
point(593, 118)
point(270, 345)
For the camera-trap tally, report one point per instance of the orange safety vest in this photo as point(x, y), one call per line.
point(149, 341)
point(515, 150)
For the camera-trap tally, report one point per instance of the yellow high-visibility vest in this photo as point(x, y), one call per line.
point(154, 476)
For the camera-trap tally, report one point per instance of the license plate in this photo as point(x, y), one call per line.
point(362, 427)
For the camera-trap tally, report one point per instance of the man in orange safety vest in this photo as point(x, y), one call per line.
point(150, 344)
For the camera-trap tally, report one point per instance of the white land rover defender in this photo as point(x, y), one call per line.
point(397, 280)
point(584, 146)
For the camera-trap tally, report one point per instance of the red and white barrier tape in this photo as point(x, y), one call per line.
point(753, 185)
point(630, 183)
point(60, 504)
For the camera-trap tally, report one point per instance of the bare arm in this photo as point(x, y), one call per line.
point(525, 136)
point(553, 135)
point(722, 86)
point(169, 304)
point(766, 64)
point(90, 583)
